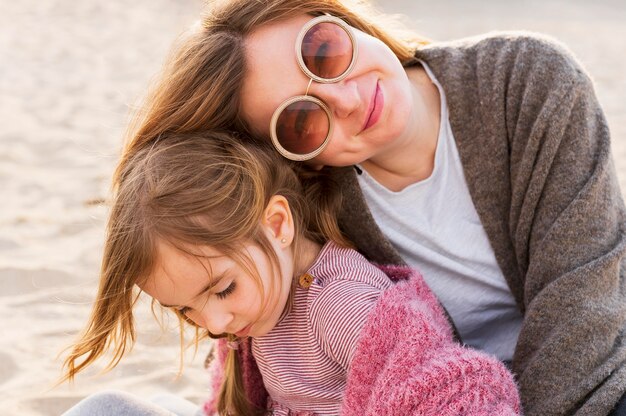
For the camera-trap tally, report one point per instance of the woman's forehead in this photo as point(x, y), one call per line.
point(272, 72)
point(268, 46)
point(280, 27)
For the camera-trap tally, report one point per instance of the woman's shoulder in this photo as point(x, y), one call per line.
point(497, 42)
point(518, 52)
point(511, 40)
point(528, 47)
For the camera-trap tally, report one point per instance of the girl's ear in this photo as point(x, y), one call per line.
point(278, 221)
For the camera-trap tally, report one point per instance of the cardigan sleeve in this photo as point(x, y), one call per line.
point(567, 228)
point(407, 363)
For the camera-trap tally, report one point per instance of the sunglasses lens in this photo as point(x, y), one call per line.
point(327, 50)
point(302, 127)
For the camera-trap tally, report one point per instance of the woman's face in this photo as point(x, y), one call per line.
point(371, 107)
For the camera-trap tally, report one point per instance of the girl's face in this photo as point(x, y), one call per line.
point(371, 107)
point(218, 294)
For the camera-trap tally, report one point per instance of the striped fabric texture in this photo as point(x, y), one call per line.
point(304, 360)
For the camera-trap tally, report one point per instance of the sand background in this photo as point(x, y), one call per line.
point(69, 73)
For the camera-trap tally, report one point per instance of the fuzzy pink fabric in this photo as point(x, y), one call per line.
point(406, 363)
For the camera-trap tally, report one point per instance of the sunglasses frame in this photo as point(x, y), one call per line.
point(297, 157)
point(325, 19)
point(298, 46)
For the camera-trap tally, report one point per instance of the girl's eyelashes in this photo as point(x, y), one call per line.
point(221, 295)
point(230, 289)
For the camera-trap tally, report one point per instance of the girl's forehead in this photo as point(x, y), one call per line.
point(200, 261)
point(178, 259)
point(179, 270)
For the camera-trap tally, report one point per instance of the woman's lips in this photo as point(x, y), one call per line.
point(377, 104)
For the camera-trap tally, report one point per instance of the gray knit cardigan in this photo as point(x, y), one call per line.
point(535, 149)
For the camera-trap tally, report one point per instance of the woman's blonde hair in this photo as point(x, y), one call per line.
point(203, 189)
point(200, 85)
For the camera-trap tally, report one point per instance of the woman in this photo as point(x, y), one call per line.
point(484, 162)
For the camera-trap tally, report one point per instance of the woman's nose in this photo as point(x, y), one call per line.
point(342, 98)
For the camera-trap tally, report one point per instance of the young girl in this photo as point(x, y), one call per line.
point(483, 162)
point(224, 235)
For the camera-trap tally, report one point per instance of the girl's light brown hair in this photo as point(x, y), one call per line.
point(200, 85)
point(203, 189)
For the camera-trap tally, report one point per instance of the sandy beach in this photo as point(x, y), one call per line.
point(70, 73)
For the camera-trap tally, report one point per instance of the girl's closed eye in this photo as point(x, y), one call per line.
point(224, 293)
point(184, 310)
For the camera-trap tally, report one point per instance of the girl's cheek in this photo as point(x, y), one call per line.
point(196, 317)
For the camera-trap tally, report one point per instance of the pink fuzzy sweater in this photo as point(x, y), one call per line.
point(406, 363)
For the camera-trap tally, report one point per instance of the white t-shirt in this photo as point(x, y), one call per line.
point(434, 226)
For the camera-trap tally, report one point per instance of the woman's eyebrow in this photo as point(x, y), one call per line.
point(205, 289)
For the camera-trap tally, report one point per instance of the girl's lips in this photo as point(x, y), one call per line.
point(378, 102)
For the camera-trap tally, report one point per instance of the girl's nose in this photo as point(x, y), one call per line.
point(342, 98)
point(213, 318)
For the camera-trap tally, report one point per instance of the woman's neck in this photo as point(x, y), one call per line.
point(411, 158)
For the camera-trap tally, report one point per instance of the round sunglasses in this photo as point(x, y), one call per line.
point(302, 125)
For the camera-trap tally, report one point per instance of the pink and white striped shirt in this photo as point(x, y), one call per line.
point(304, 360)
